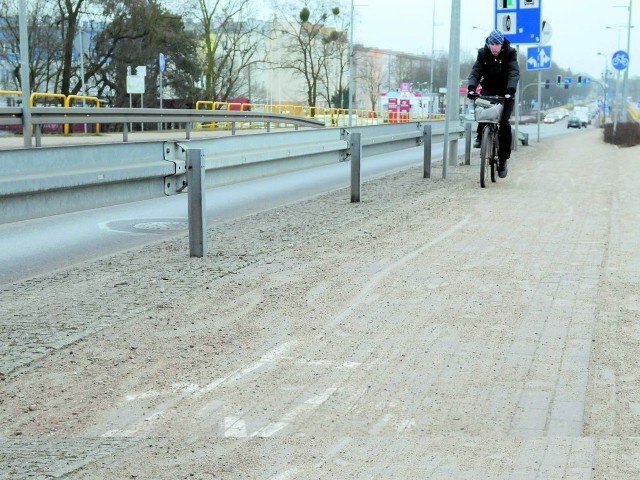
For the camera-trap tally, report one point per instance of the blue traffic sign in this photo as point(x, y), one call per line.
point(620, 60)
point(161, 62)
point(519, 20)
point(538, 58)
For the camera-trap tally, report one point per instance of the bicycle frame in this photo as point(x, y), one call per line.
point(489, 144)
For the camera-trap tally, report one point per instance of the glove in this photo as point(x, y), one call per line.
point(471, 93)
point(510, 93)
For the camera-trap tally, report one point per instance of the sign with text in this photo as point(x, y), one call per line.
point(519, 20)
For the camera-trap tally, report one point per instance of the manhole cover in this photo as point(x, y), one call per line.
point(152, 226)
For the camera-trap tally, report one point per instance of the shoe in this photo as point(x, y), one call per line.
point(476, 142)
point(502, 169)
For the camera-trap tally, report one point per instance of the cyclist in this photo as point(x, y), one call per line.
point(496, 70)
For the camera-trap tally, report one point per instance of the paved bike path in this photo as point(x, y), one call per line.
point(435, 330)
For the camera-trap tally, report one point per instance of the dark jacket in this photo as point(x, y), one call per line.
point(495, 74)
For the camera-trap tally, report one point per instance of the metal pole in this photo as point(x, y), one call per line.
point(355, 148)
point(197, 204)
point(517, 100)
point(82, 84)
point(606, 73)
point(539, 102)
point(467, 143)
point(433, 29)
point(161, 124)
point(453, 74)
point(350, 63)
point(626, 70)
point(24, 75)
point(427, 141)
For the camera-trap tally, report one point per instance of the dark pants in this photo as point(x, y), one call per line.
point(504, 137)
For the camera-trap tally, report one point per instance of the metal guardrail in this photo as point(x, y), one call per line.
point(35, 182)
point(41, 116)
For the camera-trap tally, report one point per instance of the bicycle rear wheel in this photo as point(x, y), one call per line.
point(486, 150)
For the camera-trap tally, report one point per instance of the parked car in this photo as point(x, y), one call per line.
point(574, 122)
point(551, 118)
point(523, 120)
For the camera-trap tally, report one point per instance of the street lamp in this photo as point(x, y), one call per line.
point(433, 30)
point(350, 62)
point(24, 74)
point(627, 27)
point(606, 73)
point(626, 70)
point(619, 29)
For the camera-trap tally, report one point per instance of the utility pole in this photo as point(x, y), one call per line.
point(350, 63)
point(24, 75)
point(453, 100)
point(626, 70)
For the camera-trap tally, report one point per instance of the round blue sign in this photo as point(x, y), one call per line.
point(620, 60)
point(161, 62)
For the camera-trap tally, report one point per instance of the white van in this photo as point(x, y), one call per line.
point(583, 114)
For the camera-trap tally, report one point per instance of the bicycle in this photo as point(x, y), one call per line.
point(488, 110)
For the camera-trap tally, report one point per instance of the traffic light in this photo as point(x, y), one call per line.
point(559, 80)
point(546, 84)
point(579, 80)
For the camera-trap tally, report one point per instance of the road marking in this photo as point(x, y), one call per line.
point(268, 357)
point(380, 276)
point(236, 427)
point(291, 473)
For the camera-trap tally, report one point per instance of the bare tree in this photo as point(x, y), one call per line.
point(309, 43)
point(409, 68)
point(371, 73)
point(45, 44)
point(230, 40)
point(333, 86)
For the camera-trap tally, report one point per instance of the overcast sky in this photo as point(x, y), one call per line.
point(578, 29)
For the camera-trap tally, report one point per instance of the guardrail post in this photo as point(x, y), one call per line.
point(187, 130)
point(426, 142)
point(453, 152)
point(125, 132)
point(233, 128)
point(268, 127)
point(197, 204)
point(467, 143)
point(355, 154)
point(38, 135)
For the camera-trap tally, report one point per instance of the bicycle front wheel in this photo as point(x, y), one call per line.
point(494, 156)
point(486, 148)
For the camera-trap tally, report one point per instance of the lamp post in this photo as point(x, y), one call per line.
point(350, 62)
point(626, 70)
point(24, 74)
point(433, 30)
point(606, 73)
point(616, 91)
point(623, 100)
point(450, 150)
